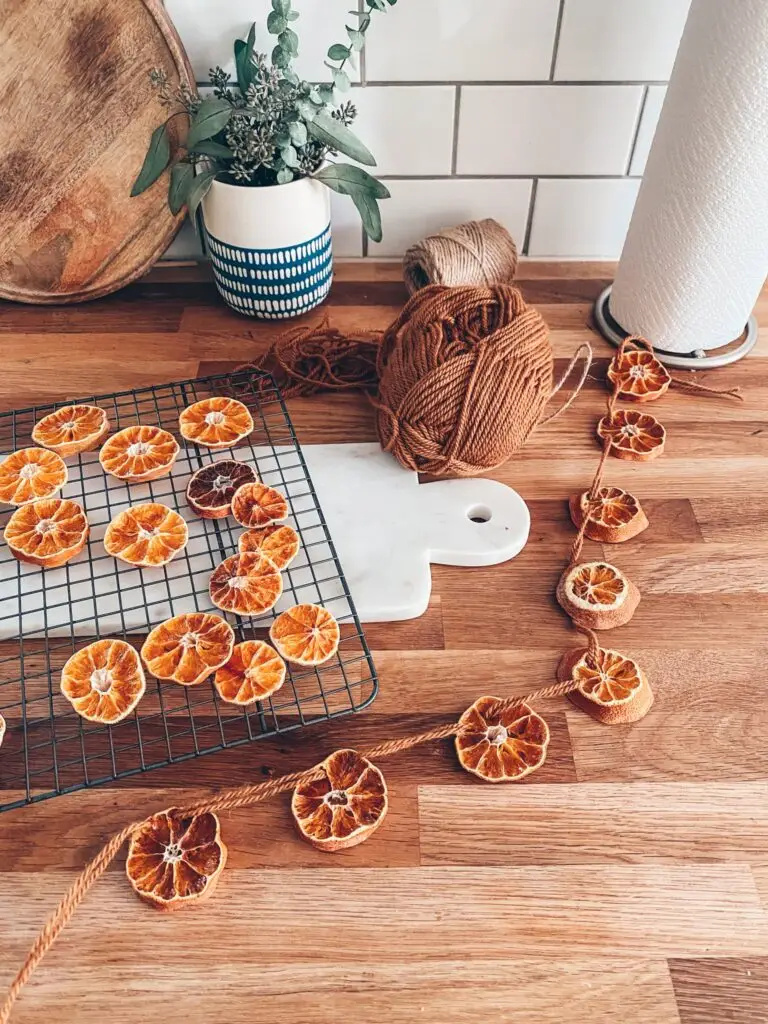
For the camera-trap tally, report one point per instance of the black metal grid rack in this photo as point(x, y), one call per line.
point(45, 615)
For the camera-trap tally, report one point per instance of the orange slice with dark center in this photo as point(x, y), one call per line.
point(210, 490)
point(306, 634)
point(104, 681)
point(216, 422)
point(72, 429)
point(146, 535)
point(500, 742)
point(246, 584)
point(48, 532)
point(187, 649)
point(256, 505)
point(597, 595)
point(29, 474)
point(612, 688)
point(635, 436)
point(175, 859)
point(278, 542)
point(639, 376)
point(613, 516)
point(254, 672)
point(139, 453)
point(343, 805)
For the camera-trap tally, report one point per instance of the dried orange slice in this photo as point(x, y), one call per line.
point(500, 742)
point(597, 595)
point(254, 671)
point(139, 453)
point(147, 535)
point(175, 859)
point(188, 648)
point(612, 688)
point(278, 542)
point(614, 515)
point(2, 730)
point(246, 584)
point(306, 634)
point(344, 805)
point(104, 681)
point(635, 436)
point(216, 422)
point(256, 505)
point(210, 490)
point(29, 474)
point(72, 429)
point(639, 376)
point(48, 532)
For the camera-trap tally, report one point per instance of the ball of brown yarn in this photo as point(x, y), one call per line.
point(480, 252)
point(464, 376)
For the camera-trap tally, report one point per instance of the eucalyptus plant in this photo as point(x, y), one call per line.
point(269, 127)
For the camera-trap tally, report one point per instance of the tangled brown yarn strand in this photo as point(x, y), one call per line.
point(476, 253)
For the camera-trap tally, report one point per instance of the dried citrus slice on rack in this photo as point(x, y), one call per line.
point(48, 532)
point(175, 859)
point(597, 595)
point(635, 436)
point(188, 648)
point(639, 376)
point(278, 542)
point(614, 515)
point(29, 474)
point(72, 429)
point(612, 688)
point(306, 634)
point(146, 535)
point(210, 490)
point(254, 671)
point(246, 584)
point(104, 681)
point(344, 805)
point(500, 742)
point(256, 505)
point(216, 422)
point(139, 453)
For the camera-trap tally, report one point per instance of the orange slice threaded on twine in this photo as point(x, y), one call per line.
point(210, 490)
point(139, 453)
point(256, 505)
point(597, 595)
point(306, 634)
point(638, 376)
point(499, 742)
point(255, 671)
point(613, 689)
point(246, 584)
point(216, 422)
point(634, 436)
point(104, 681)
point(72, 429)
point(175, 859)
point(187, 649)
point(344, 805)
point(30, 474)
point(614, 516)
point(146, 535)
point(48, 532)
point(278, 542)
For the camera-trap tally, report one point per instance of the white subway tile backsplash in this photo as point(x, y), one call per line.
point(409, 129)
point(347, 228)
point(650, 119)
point(547, 129)
point(419, 208)
point(619, 40)
point(578, 218)
point(455, 40)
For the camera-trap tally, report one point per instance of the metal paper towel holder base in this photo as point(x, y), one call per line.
point(697, 360)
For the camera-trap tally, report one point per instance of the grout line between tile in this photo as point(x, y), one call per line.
point(556, 43)
point(636, 132)
point(363, 68)
point(508, 177)
point(456, 116)
point(607, 82)
point(529, 221)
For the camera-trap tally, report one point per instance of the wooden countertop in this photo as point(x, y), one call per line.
point(625, 882)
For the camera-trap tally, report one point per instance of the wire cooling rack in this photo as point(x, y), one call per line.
point(46, 615)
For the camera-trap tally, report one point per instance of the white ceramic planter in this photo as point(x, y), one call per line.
point(270, 248)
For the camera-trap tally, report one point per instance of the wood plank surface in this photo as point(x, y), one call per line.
point(626, 882)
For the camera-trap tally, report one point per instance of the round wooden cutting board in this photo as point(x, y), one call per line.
point(76, 114)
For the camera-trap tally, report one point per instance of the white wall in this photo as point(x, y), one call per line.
point(537, 112)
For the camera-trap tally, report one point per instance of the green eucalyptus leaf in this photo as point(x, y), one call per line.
point(283, 138)
point(197, 191)
point(276, 23)
point(292, 15)
point(216, 150)
point(241, 65)
point(282, 7)
point(368, 208)
point(209, 120)
point(356, 38)
point(289, 41)
point(325, 94)
point(298, 133)
point(157, 159)
point(341, 80)
point(346, 179)
point(335, 135)
point(182, 175)
point(377, 5)
point(307, 110)
point(290, 156)
point(281, 58)
point(284, 176)
point(338, 51)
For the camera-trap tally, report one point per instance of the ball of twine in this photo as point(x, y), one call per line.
point(479, 252)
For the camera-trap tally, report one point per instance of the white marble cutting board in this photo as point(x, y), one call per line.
point(386, 527)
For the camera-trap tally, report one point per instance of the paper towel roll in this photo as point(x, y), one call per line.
point(696, 253)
